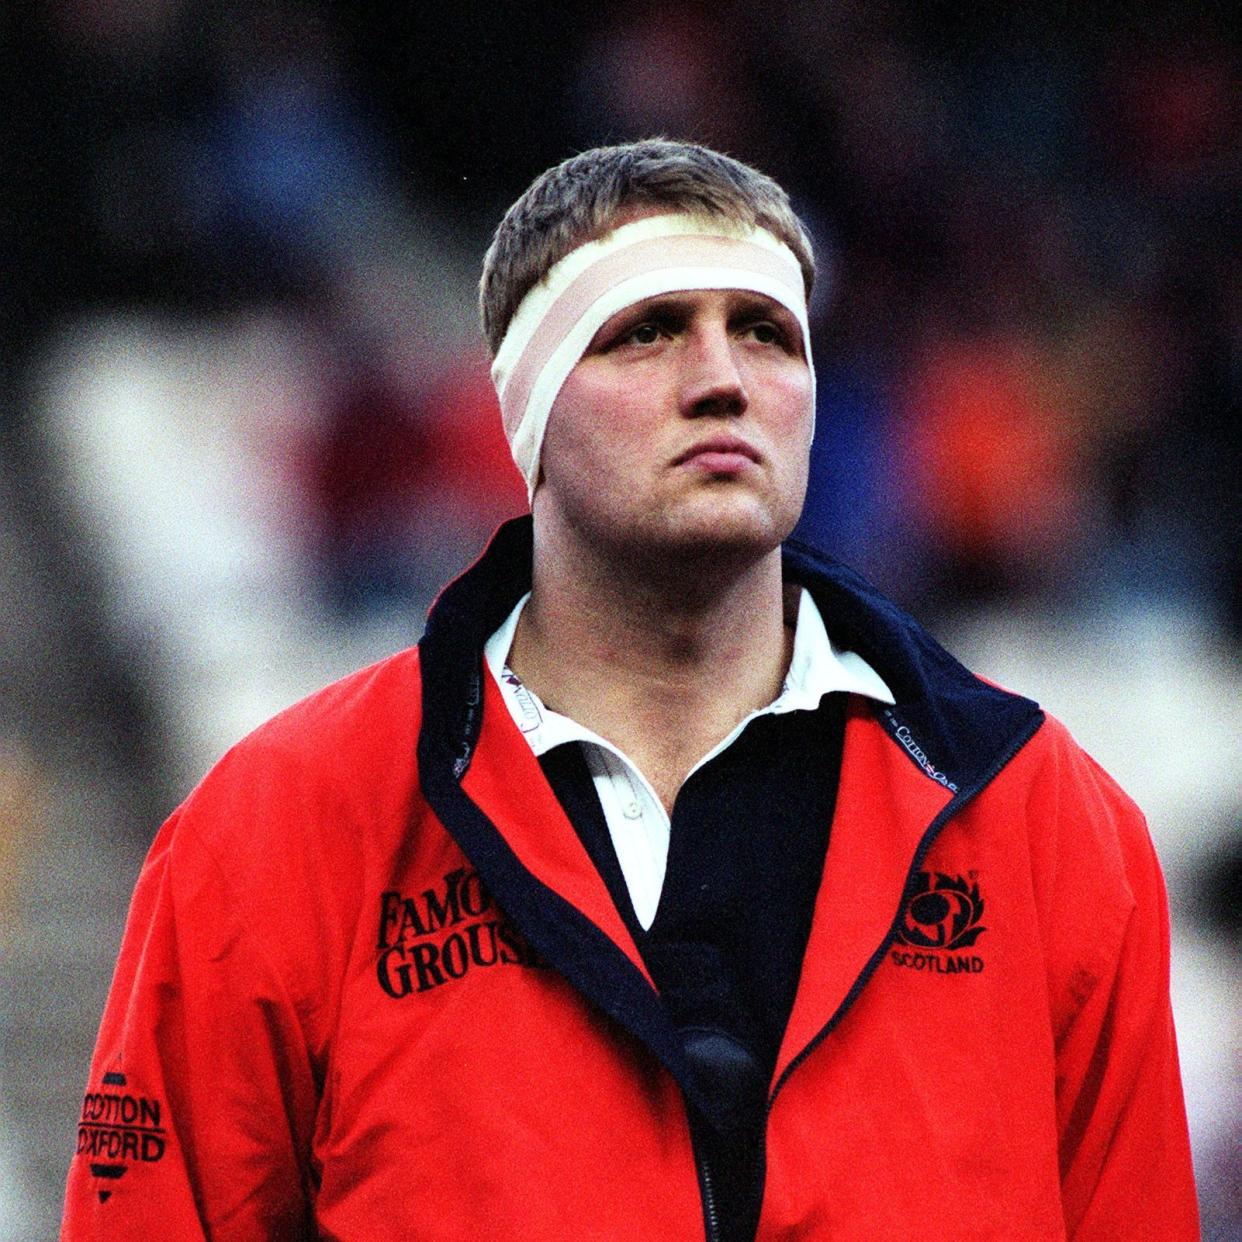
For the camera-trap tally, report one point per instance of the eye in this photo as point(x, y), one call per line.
point(643, 334)
point(770, 332)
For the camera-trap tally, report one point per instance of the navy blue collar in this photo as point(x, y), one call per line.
point(955, 727)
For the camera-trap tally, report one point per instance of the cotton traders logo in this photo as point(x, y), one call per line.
point(916, 752)
point(431, 939)
point(942, 913)
point(118, 1129)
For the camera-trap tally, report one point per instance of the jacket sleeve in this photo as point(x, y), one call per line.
point(198, 1111)
point(1124, 1147)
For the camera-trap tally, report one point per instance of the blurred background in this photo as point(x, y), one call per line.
point(247, 429)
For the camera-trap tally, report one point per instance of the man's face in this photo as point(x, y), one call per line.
point(686, 426)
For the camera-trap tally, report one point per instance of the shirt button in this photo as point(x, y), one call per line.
point(633, 810)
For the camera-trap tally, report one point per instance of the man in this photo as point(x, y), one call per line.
point(678, 885)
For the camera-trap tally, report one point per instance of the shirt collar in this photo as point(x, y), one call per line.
point(816, 668)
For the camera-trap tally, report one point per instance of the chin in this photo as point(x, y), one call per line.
point(692, 533)
point(726, 527)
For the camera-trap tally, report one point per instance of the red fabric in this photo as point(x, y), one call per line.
point(1029, 1092)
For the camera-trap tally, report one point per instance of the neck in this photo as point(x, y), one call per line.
point(661, 655)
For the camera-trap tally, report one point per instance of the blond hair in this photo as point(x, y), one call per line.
point(583, 198)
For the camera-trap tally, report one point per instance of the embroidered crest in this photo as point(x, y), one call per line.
point(942, 912)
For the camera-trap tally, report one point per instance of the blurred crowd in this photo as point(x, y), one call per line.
point(1029, 303)
point(1030, 320)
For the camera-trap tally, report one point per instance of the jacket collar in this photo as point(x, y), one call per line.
point(954, 726)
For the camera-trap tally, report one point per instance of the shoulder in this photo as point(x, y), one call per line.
point(373, 707)
point(312, 780)
point(359, 720)
point(1067, 790)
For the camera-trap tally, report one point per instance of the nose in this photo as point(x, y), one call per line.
point(711, 381)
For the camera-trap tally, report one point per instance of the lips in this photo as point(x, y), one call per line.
point(719, 449)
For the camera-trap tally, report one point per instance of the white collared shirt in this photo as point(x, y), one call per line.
point(637, 821)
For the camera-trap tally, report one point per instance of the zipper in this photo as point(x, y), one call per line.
point(711, 1215)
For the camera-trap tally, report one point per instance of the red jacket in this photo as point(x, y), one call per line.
point(371, 985)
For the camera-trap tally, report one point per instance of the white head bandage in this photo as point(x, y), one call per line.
point(559, 317)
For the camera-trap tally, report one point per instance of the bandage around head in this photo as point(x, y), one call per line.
point(559, 317)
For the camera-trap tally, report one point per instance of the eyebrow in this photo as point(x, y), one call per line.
point(659, 304)
point(679, 304)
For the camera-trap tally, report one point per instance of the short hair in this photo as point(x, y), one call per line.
point(579, 200)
